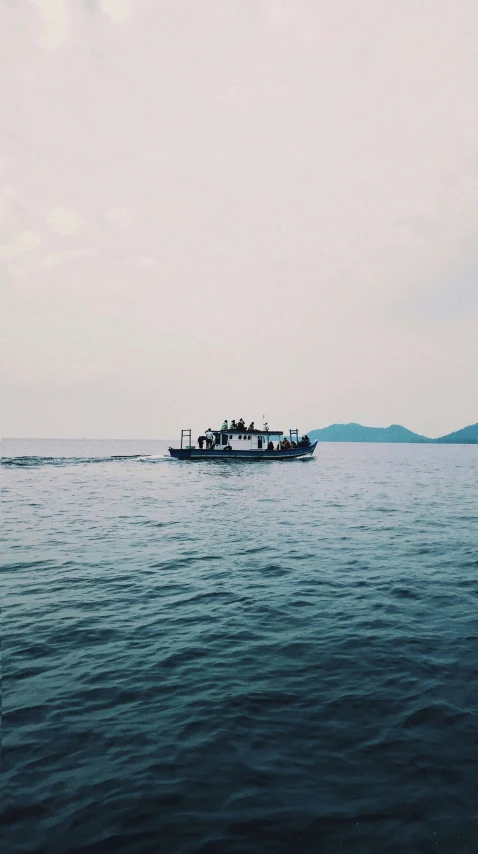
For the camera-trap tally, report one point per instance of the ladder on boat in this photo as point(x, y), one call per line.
point(186, 434)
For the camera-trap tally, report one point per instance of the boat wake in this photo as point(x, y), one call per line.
point(35, 462)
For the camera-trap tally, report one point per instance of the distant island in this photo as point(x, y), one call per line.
point(394, 433)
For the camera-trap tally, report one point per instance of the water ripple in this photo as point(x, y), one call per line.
point(239, 659)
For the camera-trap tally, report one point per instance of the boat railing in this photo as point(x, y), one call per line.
point(186, 438)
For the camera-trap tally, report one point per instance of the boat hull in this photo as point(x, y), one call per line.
point(216, 454)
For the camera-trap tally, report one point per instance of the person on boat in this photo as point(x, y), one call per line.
point(270, 446)
point(225, 425)
point(240, 424)
point(210, 441)
point(201, 440)
point(233, 425)
point(251, 426)
point(285, 443)
point(278, 446)
point(304, 442)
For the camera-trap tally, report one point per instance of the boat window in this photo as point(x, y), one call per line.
point(223, 439)
point(239, 437)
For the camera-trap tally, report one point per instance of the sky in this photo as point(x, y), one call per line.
point(238, 208)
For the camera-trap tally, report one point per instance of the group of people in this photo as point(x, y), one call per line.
point(208, 438)
point(241, 425)
point(304, 442)
point(285, 444)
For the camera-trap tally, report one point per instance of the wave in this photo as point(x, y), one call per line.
point(32, 461)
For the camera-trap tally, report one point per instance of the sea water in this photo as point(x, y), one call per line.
point(239, 657)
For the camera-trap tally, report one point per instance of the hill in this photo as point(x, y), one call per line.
point(466, 436)
point(394, 433)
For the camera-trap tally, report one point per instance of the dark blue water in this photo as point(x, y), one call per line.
point(216, 657)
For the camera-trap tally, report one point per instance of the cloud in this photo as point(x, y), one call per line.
point(303, 175)
point(22, 243)
point(65, 221)
point(53, 260)
point(57, 258)
point(117, 10)
point(54, 15)
point(19, 272)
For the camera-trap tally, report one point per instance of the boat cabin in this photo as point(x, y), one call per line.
point(246, 440)
point(242, 440)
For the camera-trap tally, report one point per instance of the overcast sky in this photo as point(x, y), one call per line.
point(235, 208)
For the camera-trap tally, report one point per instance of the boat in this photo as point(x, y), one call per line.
point(244, 444)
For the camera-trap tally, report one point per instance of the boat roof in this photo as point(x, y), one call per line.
point(251, 432)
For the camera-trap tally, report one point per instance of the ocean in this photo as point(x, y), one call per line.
point(239, 657)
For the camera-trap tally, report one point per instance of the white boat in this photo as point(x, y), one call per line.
point(241, 444)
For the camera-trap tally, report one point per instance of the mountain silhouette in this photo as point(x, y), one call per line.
point(466, 436)
point(395, 433)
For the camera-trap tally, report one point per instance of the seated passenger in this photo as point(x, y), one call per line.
point(251, 426)
point(201, 440)
point(225, 425)
point(285, 443)
point(240, 424)
point(278, 446)
point(233, 425)
point(270, 446)
point(294, 444)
